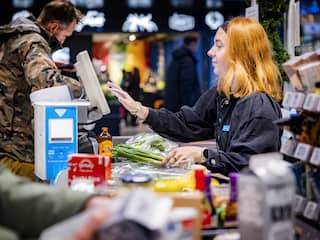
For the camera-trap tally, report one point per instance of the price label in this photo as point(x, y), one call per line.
point(297, 100)
point(253, 12)
point(303, 151)
point(311, 103)
point(299, 204)
point(315, 157)
point(288, 147)
point(311, 211)
point(287, 100)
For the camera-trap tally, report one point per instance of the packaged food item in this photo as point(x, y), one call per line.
point(182, 183)
point(89, 166)
point(136, 180)
point(82, 185)
point(266, 199)
point(203, 185)
point(105, 142)
point(232, 206)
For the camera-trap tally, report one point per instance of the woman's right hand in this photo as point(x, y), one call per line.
point(181, 155)
point(134, 107)
point(123, 97)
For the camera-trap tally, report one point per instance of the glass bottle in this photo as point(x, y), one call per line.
point(105, 142)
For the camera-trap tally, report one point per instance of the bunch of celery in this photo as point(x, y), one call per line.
point(136, 155)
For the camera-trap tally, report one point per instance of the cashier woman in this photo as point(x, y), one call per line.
point(238, 113)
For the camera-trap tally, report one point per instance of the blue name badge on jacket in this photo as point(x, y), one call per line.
point(226, 128)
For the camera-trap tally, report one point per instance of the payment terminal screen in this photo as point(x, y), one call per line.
point(61, 130)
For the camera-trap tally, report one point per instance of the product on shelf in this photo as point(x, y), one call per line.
point(303, 148)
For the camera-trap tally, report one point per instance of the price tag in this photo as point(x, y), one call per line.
point(312, 101)
point(297, 100)
point(315, 157)
point(287, 100)
point(311, 211)
point(288, 147)
point(253, 12)
point(299, 204)
point(303, 151)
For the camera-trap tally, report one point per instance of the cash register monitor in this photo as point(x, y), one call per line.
point(90, 82)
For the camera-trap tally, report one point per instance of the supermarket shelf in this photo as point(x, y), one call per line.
point(210, 233)
point(300, 100)
point(301, 152)
point(306, 230)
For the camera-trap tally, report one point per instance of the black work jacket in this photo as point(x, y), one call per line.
point(242, 127)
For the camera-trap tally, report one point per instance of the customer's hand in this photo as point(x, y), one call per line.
point(97, 217)
point(181, 155)
point(134, 107)
point(98, 202)
point(99, 210)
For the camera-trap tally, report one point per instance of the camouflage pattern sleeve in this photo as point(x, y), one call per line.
point(39, 69)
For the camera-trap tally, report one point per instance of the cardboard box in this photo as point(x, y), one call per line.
point(193, 200)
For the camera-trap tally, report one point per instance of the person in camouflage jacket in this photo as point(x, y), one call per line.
point(25, 66)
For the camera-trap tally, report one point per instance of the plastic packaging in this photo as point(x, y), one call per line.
point(152, 142)
point(136, 180)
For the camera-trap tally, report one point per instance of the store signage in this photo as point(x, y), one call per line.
point(181, 22)
point(253, 12)
point(139, 23)
point(182, 3)
point(140, 15)
point(91, 19)
point(88, 3)
point(214, 3)
point(214, 19)
point(140, 3)
point(22, 3)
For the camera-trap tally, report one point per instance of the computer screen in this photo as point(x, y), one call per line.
point(90, 82)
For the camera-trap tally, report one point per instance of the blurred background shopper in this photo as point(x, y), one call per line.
point(238, 113)
point(27, 208)
point(26, 65)
point(182, 82)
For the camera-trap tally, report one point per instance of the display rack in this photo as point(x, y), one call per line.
point(306, 207)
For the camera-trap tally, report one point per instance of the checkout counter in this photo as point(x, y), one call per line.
point(57, 118)
point(56, 138)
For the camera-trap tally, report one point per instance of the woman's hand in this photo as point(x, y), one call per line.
point(182, 155)
point(134, 107)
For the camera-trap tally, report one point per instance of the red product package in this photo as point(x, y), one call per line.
point(89, 166)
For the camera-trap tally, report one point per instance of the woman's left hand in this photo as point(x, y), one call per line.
point(181, 155)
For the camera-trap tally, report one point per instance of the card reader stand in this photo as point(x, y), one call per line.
point(55, 136)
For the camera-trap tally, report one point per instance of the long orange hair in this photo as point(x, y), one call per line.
point(251, 65)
